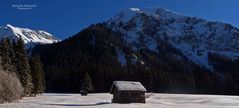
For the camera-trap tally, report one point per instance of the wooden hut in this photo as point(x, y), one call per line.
point(83, 93)
point(127, 92)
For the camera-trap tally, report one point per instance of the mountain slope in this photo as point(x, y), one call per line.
point(30, 37)
point(106, 57)
point(165, 51)
point(195, 37)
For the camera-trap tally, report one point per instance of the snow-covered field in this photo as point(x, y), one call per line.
point(103, 100)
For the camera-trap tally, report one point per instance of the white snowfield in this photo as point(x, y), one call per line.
point(103, 100)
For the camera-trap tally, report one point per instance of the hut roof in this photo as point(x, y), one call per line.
point(127, 86)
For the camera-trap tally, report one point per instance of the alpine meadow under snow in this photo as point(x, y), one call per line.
point(103, 100)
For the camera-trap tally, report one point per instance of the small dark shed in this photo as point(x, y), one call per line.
point(127, 92)
point(83, 93)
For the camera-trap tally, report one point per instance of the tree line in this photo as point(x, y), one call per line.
point(27, 68)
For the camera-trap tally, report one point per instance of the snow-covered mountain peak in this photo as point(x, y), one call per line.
point(153, 11)
point(150, 10)
point(157, 13)
point(9, 25)
point(30, 37)
point(135, 9)
point(194, 37)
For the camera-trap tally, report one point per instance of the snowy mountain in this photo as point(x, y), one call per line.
point(30, 37)
point(194, 37)
point(163, 50)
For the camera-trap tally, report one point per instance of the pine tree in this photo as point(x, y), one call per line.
point(7, 55)
point(87, 83)
point(22, 66)
point(37, 74)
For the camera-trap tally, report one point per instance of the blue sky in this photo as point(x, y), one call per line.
point(64, 18)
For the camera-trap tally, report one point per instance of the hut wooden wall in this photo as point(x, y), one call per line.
point(128, 97)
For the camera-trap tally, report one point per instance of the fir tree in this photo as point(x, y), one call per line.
point(22, 66)
point(87, 83)
point(7, 55)
point(37, 74)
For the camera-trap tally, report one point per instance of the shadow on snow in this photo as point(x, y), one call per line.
point(95, 104)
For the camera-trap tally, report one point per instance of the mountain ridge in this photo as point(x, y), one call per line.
point(30, 37)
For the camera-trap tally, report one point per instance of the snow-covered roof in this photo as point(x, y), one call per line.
point(127, 86)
